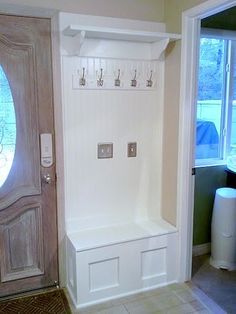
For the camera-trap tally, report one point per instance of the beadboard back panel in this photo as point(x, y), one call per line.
point(105, 191)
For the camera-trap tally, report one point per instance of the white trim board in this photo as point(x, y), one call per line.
point(185, 193)
point(218, 33)
point(202, 249)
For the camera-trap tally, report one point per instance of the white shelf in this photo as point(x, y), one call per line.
point(118, 34)
point(99, 237)
point(157, 41)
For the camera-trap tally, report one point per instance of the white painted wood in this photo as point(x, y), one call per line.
point(201, 249)
point(99, 237)
point(185, 189)
point(208, 8)
point(104, 274)
point(120, 269)
point(153, 263)
point(58, 120)
point(111, 191)
point(78, 36)
point(190, 38)
point(117, 33)
point(218, 33)
point(113, 49)
point(158, 48)
point(117, 243)
point(78, 33)
point(78, 39)
point(90, 70)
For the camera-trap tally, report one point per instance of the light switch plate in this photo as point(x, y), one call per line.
point(105, 150)
point(132, 149)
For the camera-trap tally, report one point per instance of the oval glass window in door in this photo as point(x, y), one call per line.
point(7, 128)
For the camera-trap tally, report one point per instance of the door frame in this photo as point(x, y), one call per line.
point(187, 118)
point(53, 15)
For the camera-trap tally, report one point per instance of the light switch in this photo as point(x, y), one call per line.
point(105, 150)
point(132, 149)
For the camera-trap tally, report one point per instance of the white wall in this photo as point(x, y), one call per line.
point(148, 10)
point(173, 12)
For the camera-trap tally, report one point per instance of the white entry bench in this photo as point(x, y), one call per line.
point(110, 262)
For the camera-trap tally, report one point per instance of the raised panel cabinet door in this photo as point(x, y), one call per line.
point(28, 220)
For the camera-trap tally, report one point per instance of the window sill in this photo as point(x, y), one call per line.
point(200, 163)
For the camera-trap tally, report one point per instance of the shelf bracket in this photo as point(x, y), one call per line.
point(76, 40)
point(157, 48)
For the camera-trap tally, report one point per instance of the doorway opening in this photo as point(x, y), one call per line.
point(185, 193)
point(185, 201)
point(215, 138)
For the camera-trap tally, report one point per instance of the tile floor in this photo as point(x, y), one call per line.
point(219, 285)
point(173, 299)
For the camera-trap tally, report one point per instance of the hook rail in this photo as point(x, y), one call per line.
point(119, 75)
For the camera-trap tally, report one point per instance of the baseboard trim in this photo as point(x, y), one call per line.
point(202, 249)
point(120, 296)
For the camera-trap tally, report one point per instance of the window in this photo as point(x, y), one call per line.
point(7, 128)
point(216, 102)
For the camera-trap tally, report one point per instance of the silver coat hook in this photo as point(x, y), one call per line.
point(100, 80)
point(117, 80)
point(134, 81)
point(149, 81)
point(82, 81)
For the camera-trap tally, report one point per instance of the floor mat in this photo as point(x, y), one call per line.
point(53, 302)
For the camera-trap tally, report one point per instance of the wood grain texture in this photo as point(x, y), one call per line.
point(24, 178)
point(28, 216)
point(22, 244)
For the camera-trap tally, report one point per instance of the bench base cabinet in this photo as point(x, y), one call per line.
point(98, 274)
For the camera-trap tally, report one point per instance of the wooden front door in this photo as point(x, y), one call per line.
point(28, 225)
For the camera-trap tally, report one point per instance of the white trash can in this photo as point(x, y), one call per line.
point(223, 230)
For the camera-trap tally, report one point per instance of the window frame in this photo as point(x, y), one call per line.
point(227, 97)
